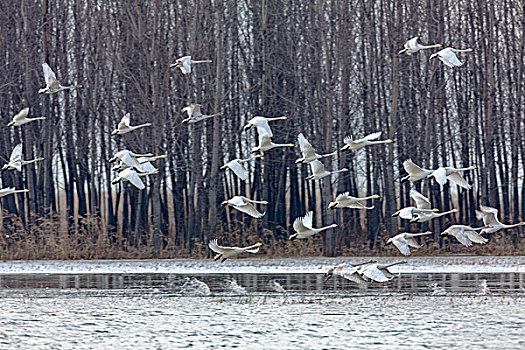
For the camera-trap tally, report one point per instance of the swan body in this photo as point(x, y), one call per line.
point(145, 164)
point(245, 205)
point(348, 271)
point(415, 172)
point(261, 123)
point(16, 162)
point(365, 141)
point(195, 115)
point(10, 190)
point(423, 202)
point(308, 152)
point(443, 174)
point(412, 46)
point(224, 253)
point(303, 227)
point(132, 176)
point(378, 272)
point(124, 127)
point(448, 56)
point(52, 84)
point(236, 165)
point(344, 200)
point(466, 235)
point(424, 217)
point(21, 118)
point(409, 213)
point(318, 171)
point(405, 240)
point(266, 144)
point(185, 62)
point(490, 219)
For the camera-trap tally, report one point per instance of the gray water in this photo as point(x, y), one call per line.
point(261, 311)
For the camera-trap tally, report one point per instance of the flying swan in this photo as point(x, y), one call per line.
point(303, 227)
point(224, 253)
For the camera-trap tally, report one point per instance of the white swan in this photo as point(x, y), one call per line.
point(303, 227)
point(308, 151)
point(130, 159)
point(266, 144)
point(16, 162)
point(344, 200)
point(195, 115)
point(415, 172)
point(448, 56)
point(489, 216)
point(423, 206)
point(132, 176)
point(52, 84)
point(236, 165)
point(348, 271)
point(412, 46)
point(378, 272)
point(466, 235)
point(185, 62)
point(405, 240)
point(124, 127)
point(224, 253)
point(318, 171)
point(21, 118)
point(443, 174)
point(365, 141)
point(245, 205)
point(262, 123)
point(145, 164)
point(423, 202)
point(10, 190)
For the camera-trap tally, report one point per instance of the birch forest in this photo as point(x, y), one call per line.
point(331, 67)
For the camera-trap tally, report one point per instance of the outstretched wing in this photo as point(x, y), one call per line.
point(459, 180)
point(441, 175)
point(488, 214)
point(406, 213)
point(373, 136)
point(306, 148)
point(303, 223)
point(49, 75)
point(264, 137)
point(461, 236)
point(215, 246)
point(422, 202)
point(249, 209)
point(448, 55)
point(373, 273)
point(238, 169)
point(125, 157)
point(317, 167)
point(411, 168)
point(342, 196)
point(412, 242)
point(476, 237)
point(133, 177)
point(402, 246)
point(124, 122)
point(16, 154)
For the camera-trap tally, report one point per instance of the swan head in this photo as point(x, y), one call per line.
point(258, 244)
point(391, 141)
point(435, 210)
point(329, 274)
point(470, 50)
point(377, 196)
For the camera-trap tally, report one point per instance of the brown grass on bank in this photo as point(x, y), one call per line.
point(46, 239)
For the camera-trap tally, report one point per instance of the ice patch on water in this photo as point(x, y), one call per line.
point(194, 287)
point(234, 288)
point(437, 289)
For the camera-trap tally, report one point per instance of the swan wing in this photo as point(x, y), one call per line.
point(373, 136)
point(412, 242)
point(358, 205)
point(406, 213)
point(459, 180)
point(124, 122)
point(448, 56)
point(317, 167)
point(412, 43)
point(422, 202)
point(16, 154)
point(440, 175)
point(264, 138)
point(402, 246)
point(354, 277)
point(238, 169)
point(459, 233)
point(411, 168)
point(488, 214)
point(476, 237)
point(126, 158)
point(249, 209)
point(133, 177)
point(372, 272)
point(147, 167)
point(215, 246)
point(342, 197)
point(262, 125)
point(49, 75)
point(304, 223)
point(306, 148)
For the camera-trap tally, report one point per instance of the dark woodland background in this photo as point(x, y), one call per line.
point(330, 66)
